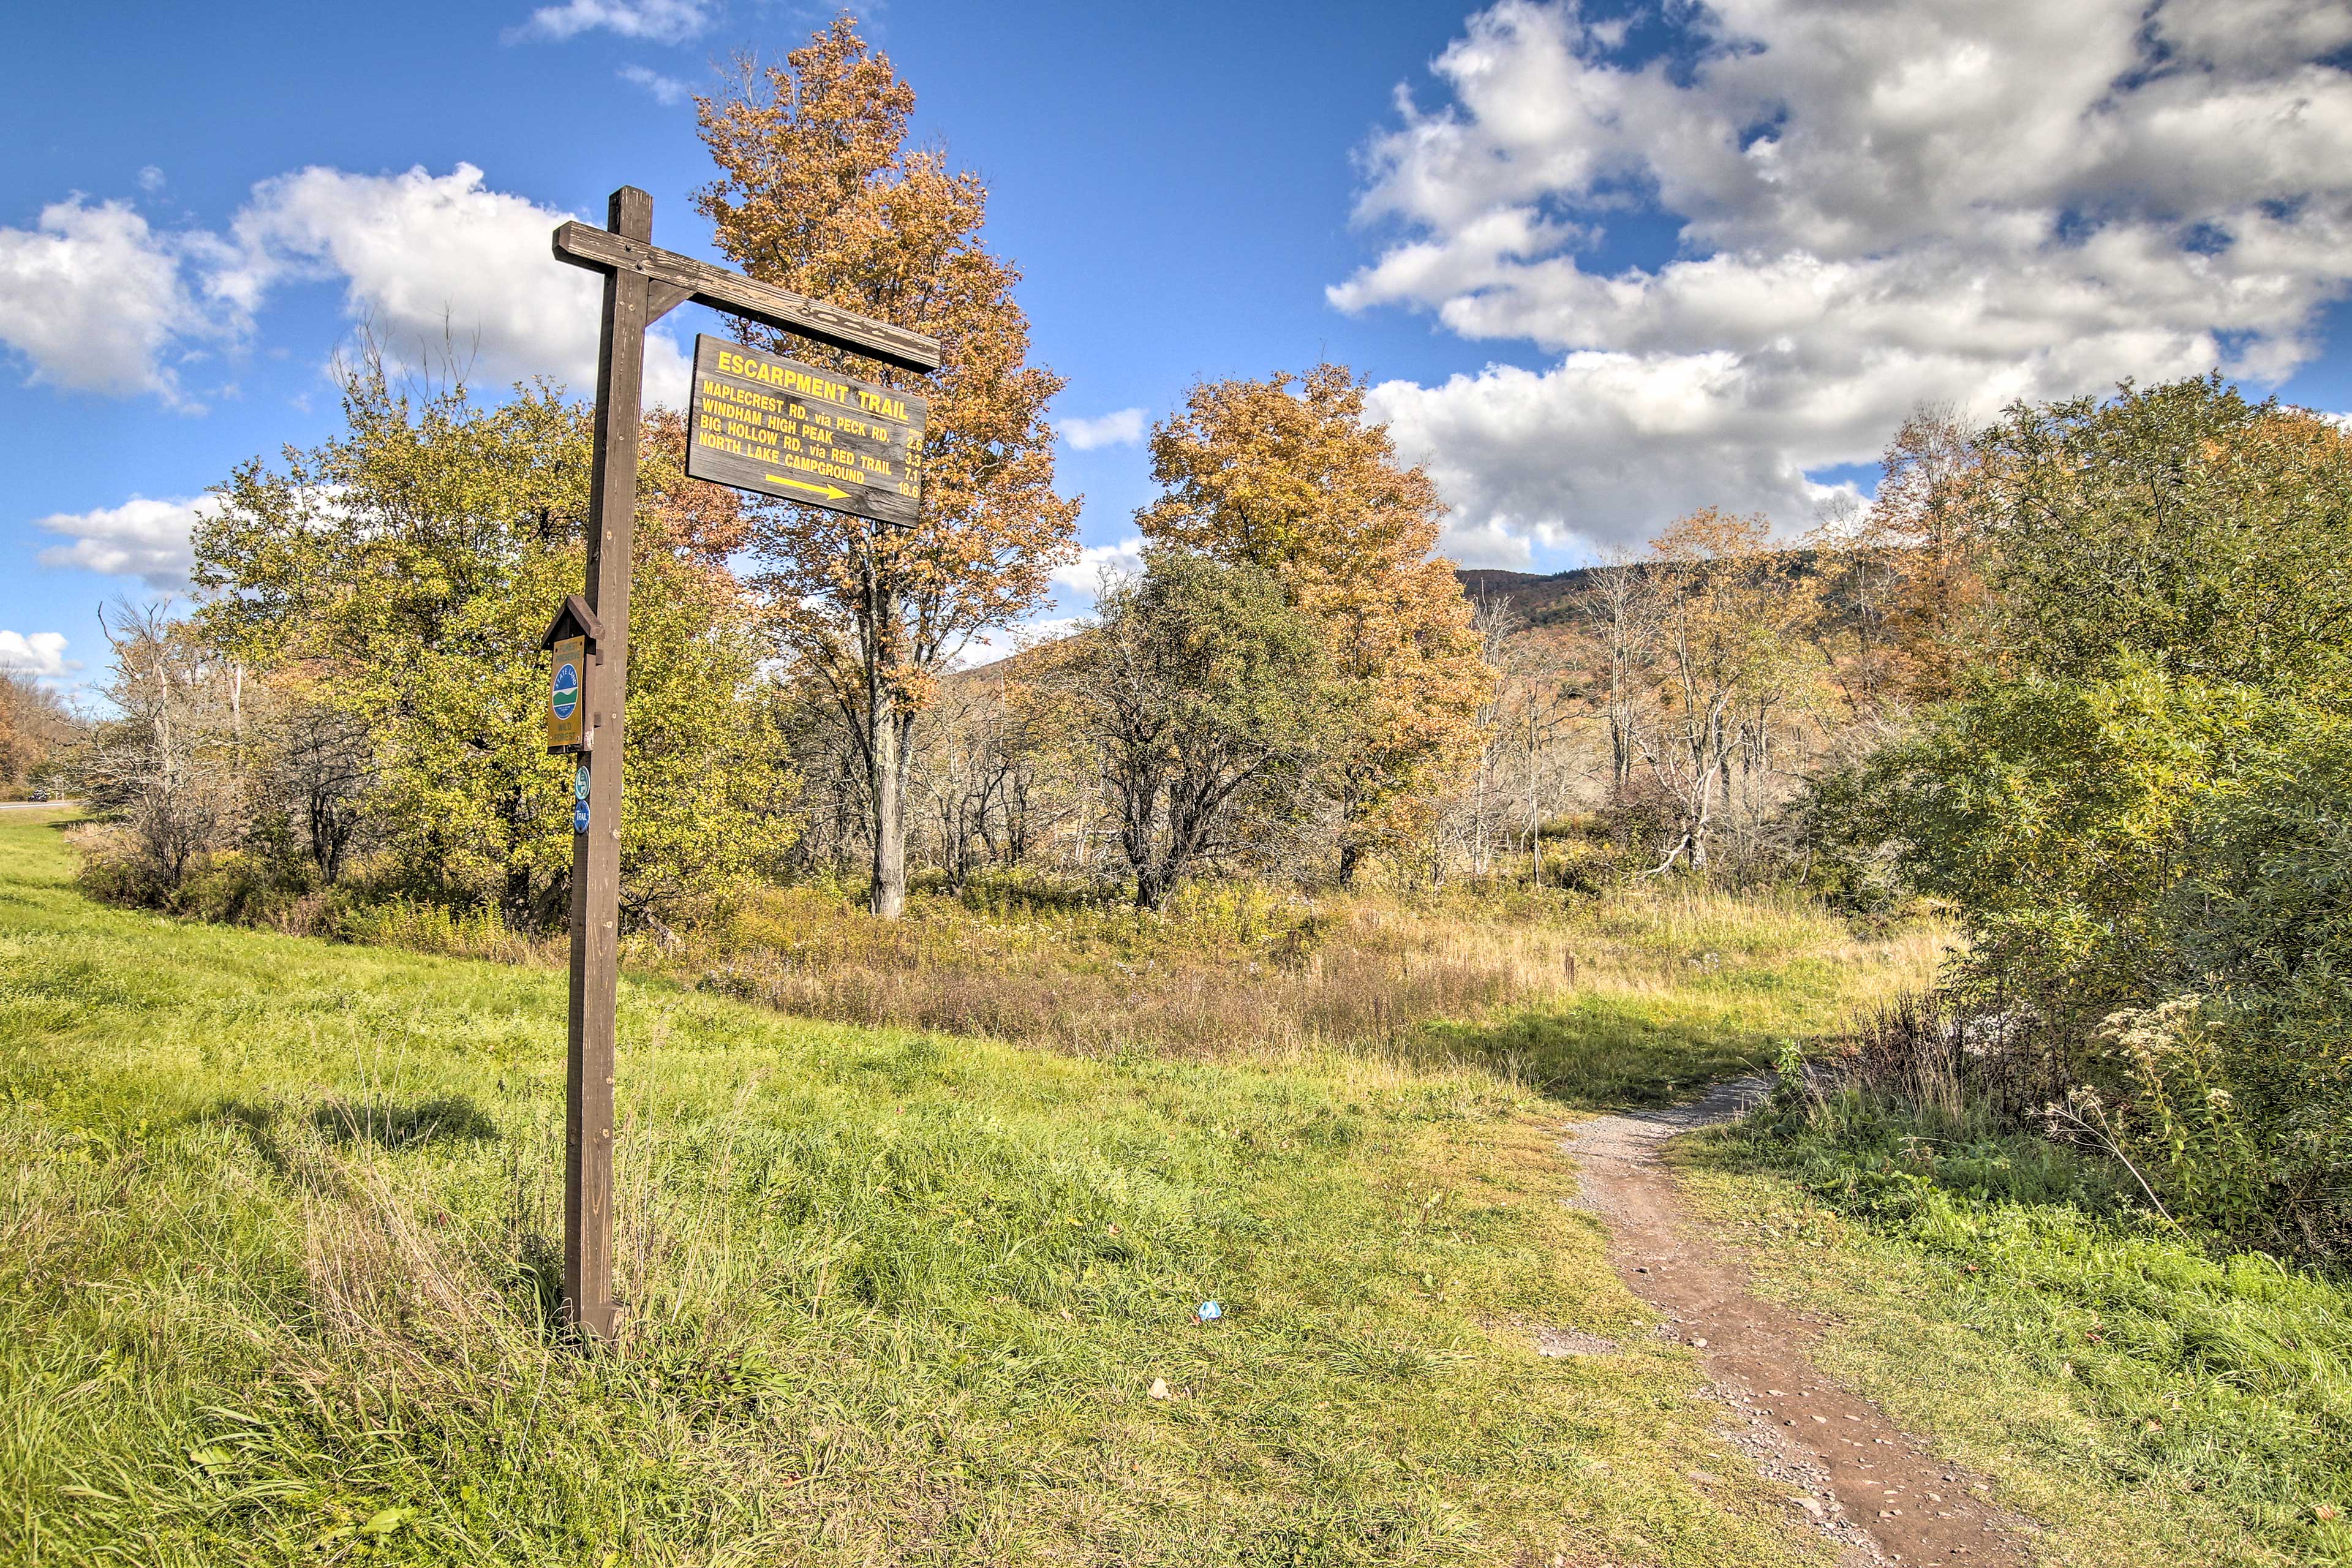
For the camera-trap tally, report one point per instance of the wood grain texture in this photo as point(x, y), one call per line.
point(596, 854)
point(720, 290)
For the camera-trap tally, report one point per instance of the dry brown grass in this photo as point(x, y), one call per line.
point(1646, 985)
point(1236, 971)
point(1240, 970)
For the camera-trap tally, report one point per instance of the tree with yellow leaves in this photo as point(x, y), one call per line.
point(1904, 572)
point(1285, 474)
point(1734, 622)
point(819, 193)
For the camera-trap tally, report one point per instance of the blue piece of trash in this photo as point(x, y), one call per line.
point(1209, 1312)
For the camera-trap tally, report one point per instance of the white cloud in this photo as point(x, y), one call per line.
point(1123, 428)
point(41, 654)
point(1875, 206)
point(447, 273)
point(659, 21)
point(665, 89)
point(440, 267)
point(151, 179)
point(1485, 543)
point(1005, 642)
point(1084, 574)
point(144, 539)
point(93, 300)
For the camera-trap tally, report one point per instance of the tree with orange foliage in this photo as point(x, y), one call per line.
point(819, 193)
point(1287, 474)
point(35, 725)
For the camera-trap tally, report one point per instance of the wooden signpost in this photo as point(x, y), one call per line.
point(642, 284)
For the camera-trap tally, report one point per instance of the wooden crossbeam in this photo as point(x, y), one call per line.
point(602, 250)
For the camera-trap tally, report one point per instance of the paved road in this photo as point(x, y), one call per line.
point(37, 805)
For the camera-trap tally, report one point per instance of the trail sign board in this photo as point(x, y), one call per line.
point(567, 707)
point(569, 643)
point(794, 431)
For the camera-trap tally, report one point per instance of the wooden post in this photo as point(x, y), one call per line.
point(641, 285)
point(596, 854)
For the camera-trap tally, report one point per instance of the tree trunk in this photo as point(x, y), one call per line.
point(886, 778)
point(514, 903)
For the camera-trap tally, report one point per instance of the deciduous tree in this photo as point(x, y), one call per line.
point(1923, 534)
point(405, 570)
point(34, 726)
point(1734, 619)
point(818, 191)
point(1197, 684)
point(1288, 475)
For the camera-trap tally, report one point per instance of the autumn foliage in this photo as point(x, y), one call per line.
point(1287, 474)
point(819, 192)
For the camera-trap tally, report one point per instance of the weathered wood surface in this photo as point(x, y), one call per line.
point(596, 854)
point(683, 277)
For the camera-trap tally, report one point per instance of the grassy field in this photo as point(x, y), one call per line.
point(2145, 1400)
point(1635, 999)
point(276, 1278)
point(278, 1265)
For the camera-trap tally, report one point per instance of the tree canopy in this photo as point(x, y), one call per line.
point(1288, 475)
point(403, 572)
point(818, 191)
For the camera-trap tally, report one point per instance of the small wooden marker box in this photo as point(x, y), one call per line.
point(571, 646)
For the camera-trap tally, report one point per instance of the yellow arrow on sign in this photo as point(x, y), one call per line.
point(828, 491)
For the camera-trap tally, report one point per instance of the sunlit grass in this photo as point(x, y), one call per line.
point(2147, 1400)
point(277, 1264)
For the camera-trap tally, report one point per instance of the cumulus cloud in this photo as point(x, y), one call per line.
point(1123, 428)
point(658, 21)
point(1085, 573)
point(93, 300)
point(665, 89)
point(1874, 206)
point(1485, 543)
point(41, 654)
point(441, 268)
point(447, 274)
point(144, 539)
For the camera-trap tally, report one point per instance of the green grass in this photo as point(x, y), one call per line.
point(277, 1272)
point(2145, 1399)
point(1680, 993)
point(1604, 1050)
point(277, 1261)
point(1628, 999)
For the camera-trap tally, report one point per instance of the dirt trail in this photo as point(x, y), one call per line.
point(1848, 1468)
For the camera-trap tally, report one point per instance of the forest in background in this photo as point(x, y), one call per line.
point(2074, 682)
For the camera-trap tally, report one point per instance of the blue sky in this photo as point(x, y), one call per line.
point(1603, 264)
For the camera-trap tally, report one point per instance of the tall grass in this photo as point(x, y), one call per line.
point(1631, 997)
point(277, 1285)
point(2147, 1397)
point(1626, 999)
